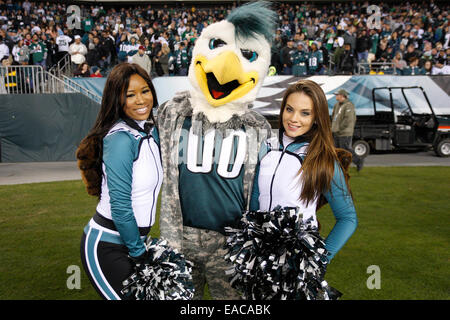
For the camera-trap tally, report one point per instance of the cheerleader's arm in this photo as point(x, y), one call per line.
point(118, 157)
point(341, 204)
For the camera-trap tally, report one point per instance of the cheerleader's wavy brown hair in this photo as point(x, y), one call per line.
point(90, 150)
point(318, 167)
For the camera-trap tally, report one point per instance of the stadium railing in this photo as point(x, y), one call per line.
point(82, 89)
point(62, 67)
point(35, 80)
point(21, 79)
point(376, 68)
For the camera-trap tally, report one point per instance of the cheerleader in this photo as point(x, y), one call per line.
point(301, 167)
point(120, 163)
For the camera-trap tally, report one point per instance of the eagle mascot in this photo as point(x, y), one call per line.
point(210, 139)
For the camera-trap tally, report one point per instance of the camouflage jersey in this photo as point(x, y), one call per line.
point(208, 167)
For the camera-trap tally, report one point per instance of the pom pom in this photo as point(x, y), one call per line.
point(165, 275)
point(276, 255)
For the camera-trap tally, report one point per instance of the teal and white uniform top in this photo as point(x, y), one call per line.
point(132, 178)
point(278, 183)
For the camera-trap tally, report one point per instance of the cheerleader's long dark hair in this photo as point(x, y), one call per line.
point(90, 150)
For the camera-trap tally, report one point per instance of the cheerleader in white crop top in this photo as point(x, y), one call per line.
point(301, 165)
point(121, 164)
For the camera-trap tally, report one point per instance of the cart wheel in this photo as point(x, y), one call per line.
point(443, 148)
point(361, 148)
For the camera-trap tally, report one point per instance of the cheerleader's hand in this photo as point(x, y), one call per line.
point(139, 261)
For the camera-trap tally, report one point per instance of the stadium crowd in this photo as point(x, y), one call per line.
point(411, 37)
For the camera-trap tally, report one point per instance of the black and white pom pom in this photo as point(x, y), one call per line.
point(277, 255)
point(166, 275)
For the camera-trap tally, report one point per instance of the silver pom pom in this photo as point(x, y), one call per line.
point(165, 275)
point(277, 255)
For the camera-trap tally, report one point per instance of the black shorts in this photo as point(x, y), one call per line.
point(105, 260)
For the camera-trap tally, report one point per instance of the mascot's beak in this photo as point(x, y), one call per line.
point(222, 79)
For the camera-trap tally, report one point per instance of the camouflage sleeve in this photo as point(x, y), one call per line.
point(170, 218)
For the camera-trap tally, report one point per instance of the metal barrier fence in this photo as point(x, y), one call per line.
point(34, 80)
point(21, 79)
point(376, 68)
point(31, 80)
point(63, 67)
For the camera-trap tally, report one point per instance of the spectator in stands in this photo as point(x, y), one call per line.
point(440, 68)
point(286, 57)
point(123, 43)
point(411, 52)
point(82, 71)
point(348, 61)
point(338, 51)
point(415, 40)
point(52, 49)
point(325, 55)
point(381, 55)
point(350, 37)
point(142, 60)
point(374, 39)
point(62, 41)
point(20, 51)
point(27, 38)
point(157, 64)
point(77, 51)
point(97, 55)
point(140, 35)
point(362, 45)
point(315, 59)
point(300, 59)
point(164, 59)
point(428, 67)
point(4, 50)
point(413, 68)
point(394, 41)
point(96, 72)
point(181, 60)
point(310, 29)
point(38, 52)
point(108, 43)
point(398, 63)
point(132, 48)
point(148, 48)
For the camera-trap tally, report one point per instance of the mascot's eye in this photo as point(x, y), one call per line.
point(216, 43)
point(249, 55)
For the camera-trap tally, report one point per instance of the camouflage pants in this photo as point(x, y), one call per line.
point(205, 249)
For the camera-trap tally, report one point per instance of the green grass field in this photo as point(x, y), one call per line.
point(403, 213)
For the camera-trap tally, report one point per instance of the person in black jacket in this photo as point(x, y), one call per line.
point(97, 55)
point(286, 57)
point(276, 54)
point(109, 46)
point(362, 45)
point(52, 50)
point(348, 61)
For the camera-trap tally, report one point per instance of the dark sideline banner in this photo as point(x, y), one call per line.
point(44, 127)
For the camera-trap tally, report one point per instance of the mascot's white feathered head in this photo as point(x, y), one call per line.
point(230, 60)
